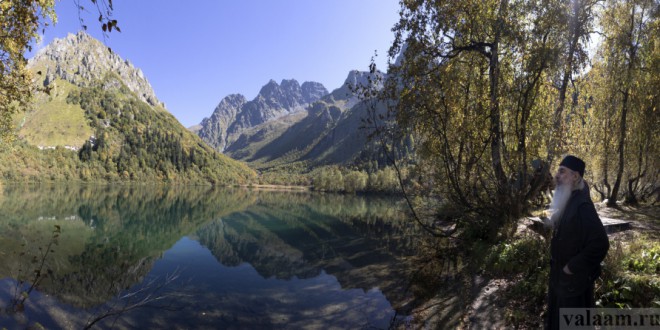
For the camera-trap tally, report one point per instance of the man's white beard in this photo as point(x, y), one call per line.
point(559, 200)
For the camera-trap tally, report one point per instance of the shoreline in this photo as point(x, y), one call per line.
point(275, 187)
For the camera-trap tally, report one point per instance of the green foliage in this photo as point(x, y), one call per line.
point(483, 86)
point(613, 120)
point(476, 95)
point(524, 255)
point(132, 142)
point(645, 261)
point(21, 162)
point(630, 275)
point(291, 174)
point(355, 181)
point(629, 278)
point(19, 24)
point(336, 179)
point(524, 264)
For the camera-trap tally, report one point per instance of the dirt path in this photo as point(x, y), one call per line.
point(643, 219)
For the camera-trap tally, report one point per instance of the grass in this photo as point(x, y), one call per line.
point(53, 122)
point(630, 276)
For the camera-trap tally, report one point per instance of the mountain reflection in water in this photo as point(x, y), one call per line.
point(227, 258)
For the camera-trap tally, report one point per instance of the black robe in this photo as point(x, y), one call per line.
point(579, 241)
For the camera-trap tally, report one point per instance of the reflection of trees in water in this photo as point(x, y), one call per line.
point(118, 232)
point(439, 284)
point(124, 230)
point(363, 242)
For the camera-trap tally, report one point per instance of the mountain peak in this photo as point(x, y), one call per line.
point(313, 91)
point(82, 60)
point(213, 130)
point(364, 78)
point(289, 83)
point(274, 100)
point(269, 89)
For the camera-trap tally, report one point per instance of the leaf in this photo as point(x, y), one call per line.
point(101, 18)
point(104, 27)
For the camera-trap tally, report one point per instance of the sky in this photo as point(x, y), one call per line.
point(194, 53)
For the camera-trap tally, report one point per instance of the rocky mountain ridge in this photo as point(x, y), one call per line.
point(326, 131)
point(81, 60)
point(235, 114)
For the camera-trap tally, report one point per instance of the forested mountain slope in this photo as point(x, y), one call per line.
point(99, 119)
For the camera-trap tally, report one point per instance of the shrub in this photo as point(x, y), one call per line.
point(630, 275)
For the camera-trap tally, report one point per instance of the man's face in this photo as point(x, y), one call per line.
point(566, 176)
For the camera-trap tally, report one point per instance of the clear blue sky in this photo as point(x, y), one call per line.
point(196, 52)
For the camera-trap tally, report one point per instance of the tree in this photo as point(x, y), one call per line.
point(355, 181)
point(21, 22)
point(623, 93)
point(578, 16)
point(626, 40)
point(472, 79)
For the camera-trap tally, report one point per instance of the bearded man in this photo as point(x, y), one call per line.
point(579, 243)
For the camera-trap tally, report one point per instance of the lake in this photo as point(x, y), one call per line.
point(202, 257)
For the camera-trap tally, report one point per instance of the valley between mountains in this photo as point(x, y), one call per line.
point(97, 118)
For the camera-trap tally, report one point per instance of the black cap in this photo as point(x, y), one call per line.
point(574, 163)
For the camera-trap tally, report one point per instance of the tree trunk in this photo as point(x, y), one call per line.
point(503, 202)
point(632, 52)
point(557, 126)
point(495, 124)
point(606, 160)
point(633, 183)
point(622, 139)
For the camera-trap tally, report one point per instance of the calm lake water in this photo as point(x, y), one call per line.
point(201, 257)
